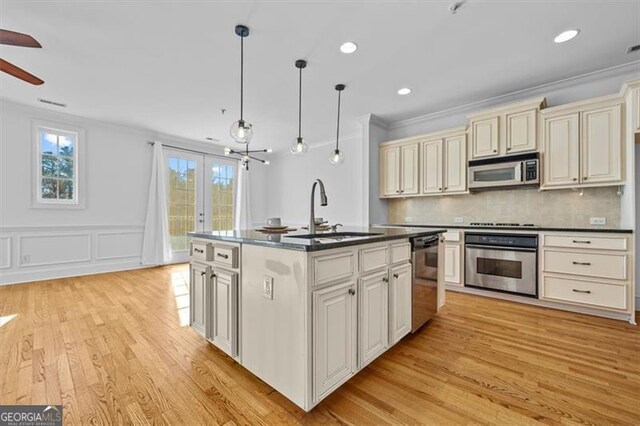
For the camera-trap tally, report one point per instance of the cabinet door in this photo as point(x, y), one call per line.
point(374, 321)
point(199, 283)
point(561, 150)
point(432, 167)
point(601, 145)
point(390, 171)
point(484, 137)
point(399, 302)
point(409, 172)
point(635, 110)
point(452, 263)
point(521, 128)
point(455, 164)
point(224, 315)
point(334, 337)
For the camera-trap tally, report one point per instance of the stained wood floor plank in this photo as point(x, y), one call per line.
point(111, 349)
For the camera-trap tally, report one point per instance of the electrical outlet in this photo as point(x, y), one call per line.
point(458, 219)
point(408, 219)
point(598, 221)
point(25, 258)
point(267, 287)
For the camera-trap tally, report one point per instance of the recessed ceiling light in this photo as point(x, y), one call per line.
point(566, 36)
point(404, 91)
point(348, 47)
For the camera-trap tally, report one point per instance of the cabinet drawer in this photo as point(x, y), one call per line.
point(585, 292)
point(333, 268)
point(596, 243)
point(226, 255)
point(202, 251)
point(373, 259)
point(613, 266)
point(400, 252)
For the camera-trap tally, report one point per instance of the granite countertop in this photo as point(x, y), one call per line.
point(289, 240)
point(518, 228)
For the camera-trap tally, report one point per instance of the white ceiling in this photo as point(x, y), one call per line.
point(171, 66)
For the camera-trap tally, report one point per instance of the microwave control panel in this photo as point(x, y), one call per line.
point(531, 171)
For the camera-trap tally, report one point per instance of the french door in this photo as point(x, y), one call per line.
point(201, 193)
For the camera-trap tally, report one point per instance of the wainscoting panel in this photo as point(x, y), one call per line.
point(5, 252)
point(118, 245)
point(47, 252)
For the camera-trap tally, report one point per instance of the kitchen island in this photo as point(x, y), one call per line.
point(303, 312)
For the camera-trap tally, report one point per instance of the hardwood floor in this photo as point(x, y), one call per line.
point(112, 350)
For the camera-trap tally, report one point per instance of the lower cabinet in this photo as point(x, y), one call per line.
point(224, 311)
point(452, 269)
point(399, 302)
point(373, 330)
point(335, 321)
point(199, 296)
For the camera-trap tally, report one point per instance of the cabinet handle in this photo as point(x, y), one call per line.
point(581, 242)
point(582, 291)
point(508, 149)
point(203, 273)
point(197, 250)
point(575, 179)
point(213, 276)
point(401, 191)
point(397, 191)
point(582, 263)
point(352, 291)
point(224, 256)
point(385, 279)
point(439, 189)
point(495, 150)
point(446, 187)
point(584, 178)
point(396, 276)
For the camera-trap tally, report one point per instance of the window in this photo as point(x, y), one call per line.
point(182, 200)
point(222, 196)
point(57, 166)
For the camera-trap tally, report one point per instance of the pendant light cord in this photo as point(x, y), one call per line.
point(241, 77)
point(300, 108)
point(338, 125)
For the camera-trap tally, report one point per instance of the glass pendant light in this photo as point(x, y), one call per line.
point(299, 146)
point(241, 131)
point(337, 157)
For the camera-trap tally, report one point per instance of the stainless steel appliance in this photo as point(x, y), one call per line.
point(504, 172)
point(424, 286)
point(502, 262)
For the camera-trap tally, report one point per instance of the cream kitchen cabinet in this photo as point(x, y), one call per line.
point(373, 329)
point(224, 310)
point(335, 320)
point(444, 162)
point(582, 144)
point(399, 172)
point(199, 289)
point(505, 130)
point(399, 302)
point(631, 91)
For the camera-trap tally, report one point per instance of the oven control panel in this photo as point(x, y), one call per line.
point(502, 240)
point(531, 171)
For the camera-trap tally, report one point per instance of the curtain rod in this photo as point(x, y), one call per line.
point(190, 150)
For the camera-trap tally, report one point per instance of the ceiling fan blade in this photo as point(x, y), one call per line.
point(18, 72)
point(17, 39)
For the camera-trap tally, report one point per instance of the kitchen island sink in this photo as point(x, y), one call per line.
point(334, 235)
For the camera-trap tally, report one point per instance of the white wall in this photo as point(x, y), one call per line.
point(107, 234)
point(290, 179)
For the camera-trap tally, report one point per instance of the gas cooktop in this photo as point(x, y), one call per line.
point(503, 224)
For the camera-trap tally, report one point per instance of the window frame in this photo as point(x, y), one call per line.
point(213, 159)
point(79, 200)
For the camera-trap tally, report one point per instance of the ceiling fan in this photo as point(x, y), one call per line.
point(13, 38)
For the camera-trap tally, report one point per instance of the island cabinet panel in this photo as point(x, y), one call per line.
point(399, 302)
point(334, 337)
point(199, 283)
point(373, 327)
point(224, 312)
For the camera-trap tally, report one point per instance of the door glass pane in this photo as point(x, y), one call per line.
point(497, 175)
point(181, 200)
point(222, 196)
point(499, 267)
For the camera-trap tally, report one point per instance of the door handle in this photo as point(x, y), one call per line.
point(396, 276)
point(582, 263)
point(581, 242)
point(213, 276)
point(582, 291)
point(224, 256)
point(385, 279)
point(197, 250)
point(200, 220)
point(352, 291)
point(203, 273)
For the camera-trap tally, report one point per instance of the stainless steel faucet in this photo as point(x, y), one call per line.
point(323, 202)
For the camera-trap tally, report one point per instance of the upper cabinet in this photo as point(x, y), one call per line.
point(399, 169)
point(631, 91)
point(582, 144)
point(444, 162)
point(509, 129)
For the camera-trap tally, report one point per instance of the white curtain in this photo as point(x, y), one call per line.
point(156, 247)
point(243, 219)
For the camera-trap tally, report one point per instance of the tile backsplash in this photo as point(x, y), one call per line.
point(561, 207)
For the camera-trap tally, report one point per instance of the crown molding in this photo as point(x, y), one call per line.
point(631, 66)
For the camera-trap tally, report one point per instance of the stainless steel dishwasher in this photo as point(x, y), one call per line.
point(424, 286)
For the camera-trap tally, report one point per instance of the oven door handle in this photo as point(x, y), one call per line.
point(477, 246)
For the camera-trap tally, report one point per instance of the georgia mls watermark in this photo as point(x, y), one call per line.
point(30, 415)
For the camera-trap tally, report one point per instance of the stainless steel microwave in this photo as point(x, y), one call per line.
point(504, 172)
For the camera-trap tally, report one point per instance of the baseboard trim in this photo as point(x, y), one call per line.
point(28, 276)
